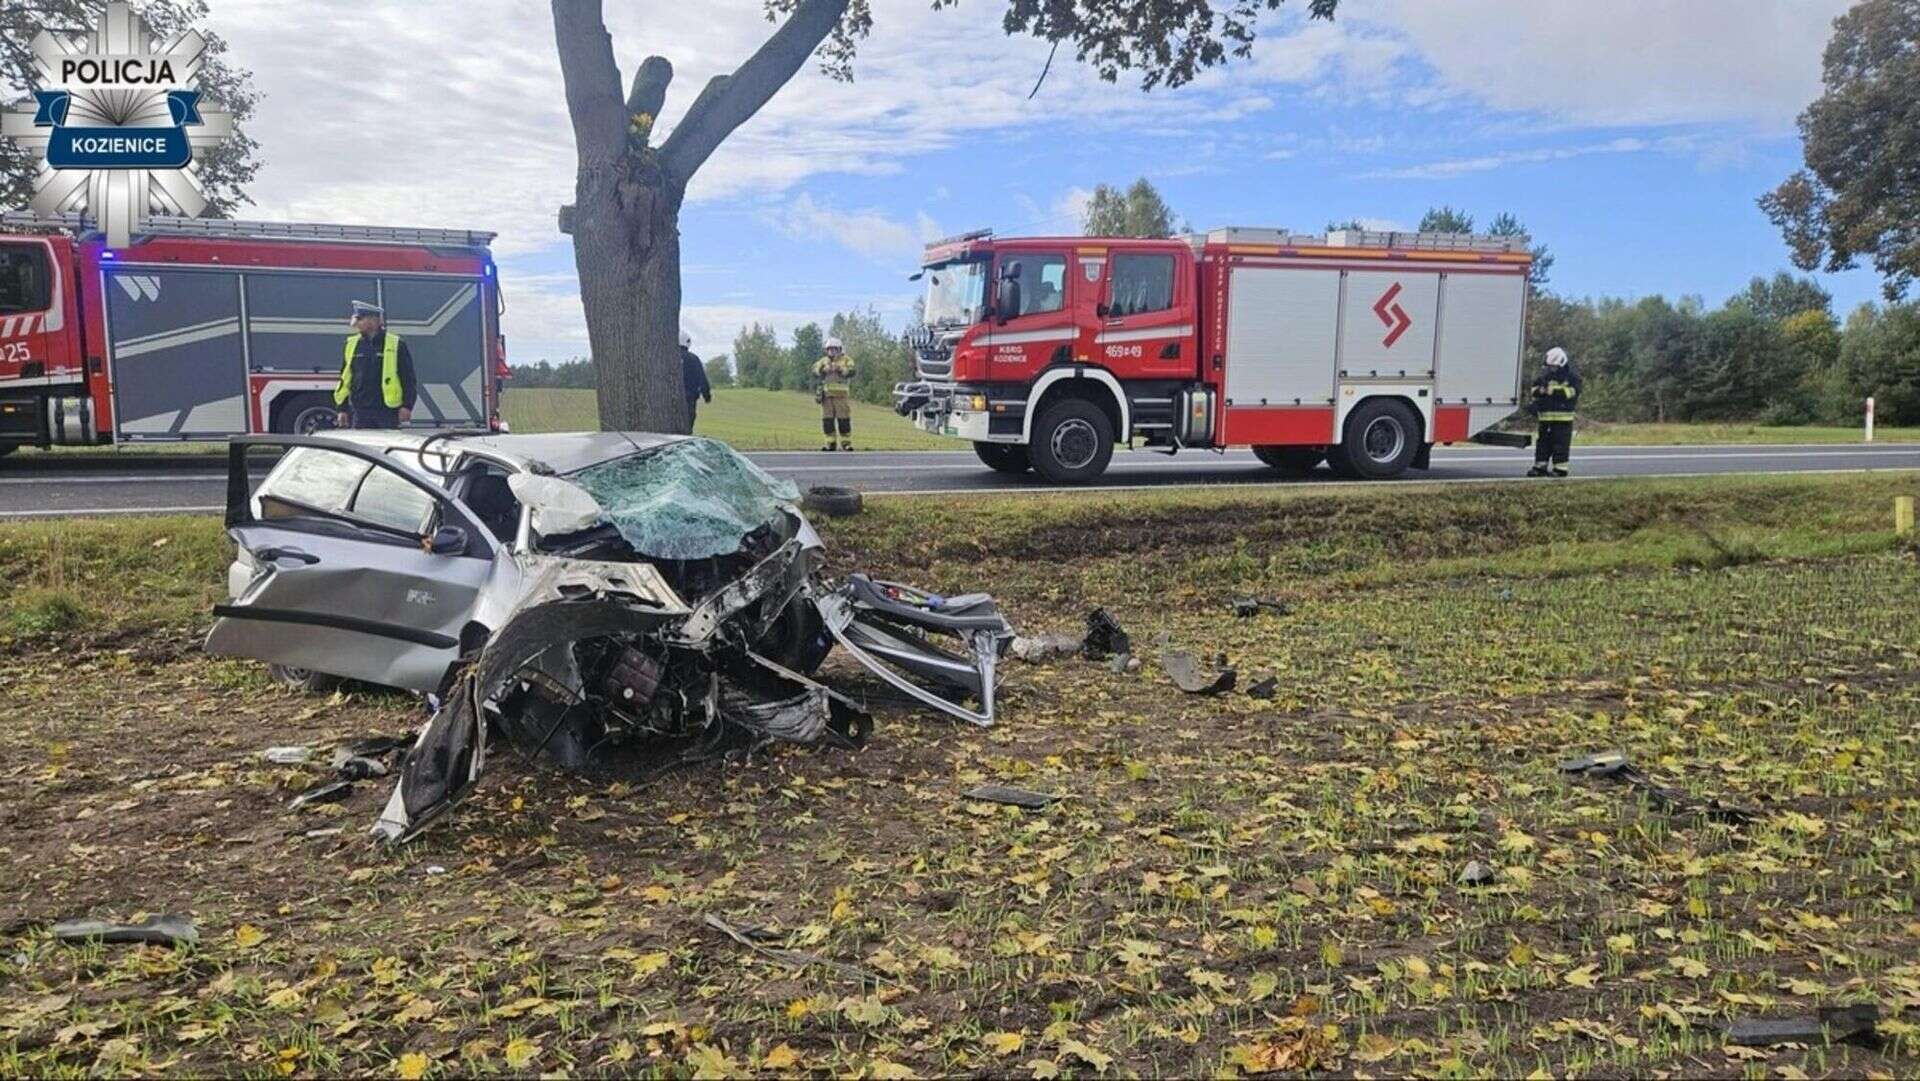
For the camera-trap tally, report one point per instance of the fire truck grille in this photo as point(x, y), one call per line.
point(935, 366)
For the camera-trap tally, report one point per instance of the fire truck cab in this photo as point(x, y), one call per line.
point(1357, 348)
point(205, 328)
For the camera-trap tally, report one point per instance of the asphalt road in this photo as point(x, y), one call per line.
point(42, 487)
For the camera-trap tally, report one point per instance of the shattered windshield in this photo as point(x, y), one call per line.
point(692, 499)
point(954, 292)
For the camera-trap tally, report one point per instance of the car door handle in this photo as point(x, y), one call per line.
point(275, 555)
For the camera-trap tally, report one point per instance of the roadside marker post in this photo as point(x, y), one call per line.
point(1869, 420)
point(1903, 516)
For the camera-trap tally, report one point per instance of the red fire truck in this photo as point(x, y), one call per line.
point(1361, 349)
point(204, 328)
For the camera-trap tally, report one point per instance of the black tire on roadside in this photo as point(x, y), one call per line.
point(1291, 461)
point(1382, 437)
point(832, 502)
point(303, 680)
point(305, 414)
point(1072, 442)
point(1004, 457)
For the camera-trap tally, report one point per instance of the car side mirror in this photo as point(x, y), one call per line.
point(1101, 309)
point(448, 540)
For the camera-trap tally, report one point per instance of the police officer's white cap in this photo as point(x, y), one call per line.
point(361, 307)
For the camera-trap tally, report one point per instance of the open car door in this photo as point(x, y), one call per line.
point(349, 563)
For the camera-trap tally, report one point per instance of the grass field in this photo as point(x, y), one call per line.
point(1602, 433)
point(746, 417)
point(1232, 885)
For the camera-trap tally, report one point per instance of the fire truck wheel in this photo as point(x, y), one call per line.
point(1072, 442)
point(304, 680)
point(305, 414)
point(1004, 457)
point(1291, 461)
point(1382, 437)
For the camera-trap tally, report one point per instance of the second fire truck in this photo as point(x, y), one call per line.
point(1359, 349)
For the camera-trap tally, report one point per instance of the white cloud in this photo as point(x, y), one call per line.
point(873, 233)
point(1623, 62)
point(1456, 167)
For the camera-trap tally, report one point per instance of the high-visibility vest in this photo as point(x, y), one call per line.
point(834, 375)
point(390, 390)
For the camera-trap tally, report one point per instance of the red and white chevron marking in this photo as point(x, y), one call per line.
point(17, 326)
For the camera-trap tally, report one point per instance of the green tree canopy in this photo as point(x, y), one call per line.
point(1138, 211)
point(1859, 195)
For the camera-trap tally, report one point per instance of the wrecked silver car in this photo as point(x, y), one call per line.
point(596, 598)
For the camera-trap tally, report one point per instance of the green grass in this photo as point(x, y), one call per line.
point(746, 417)
point(1602, 433)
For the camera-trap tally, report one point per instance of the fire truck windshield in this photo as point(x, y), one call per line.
point(955, 292)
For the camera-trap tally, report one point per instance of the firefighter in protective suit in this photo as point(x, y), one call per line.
point(833, 382)
point(1556, 392)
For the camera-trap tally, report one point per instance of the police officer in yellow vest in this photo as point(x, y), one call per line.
point(376, 387)
point(833, 375)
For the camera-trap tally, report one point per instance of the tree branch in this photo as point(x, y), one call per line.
point(650, 86)
point(729, 100)
point(592, 81)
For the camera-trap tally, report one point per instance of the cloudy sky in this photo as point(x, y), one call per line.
point(1631, 136)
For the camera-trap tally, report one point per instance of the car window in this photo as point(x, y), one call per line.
point(391, 500)
point(1043, 282)
point(1142, 283)
point(315, 477)
point(25, 282)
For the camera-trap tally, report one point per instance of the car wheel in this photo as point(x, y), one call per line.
point(1004, 457)
point(832, 502)
point(303, 680)
point(1382, 438)
point(798, 638)
point(1290, 461)
point(1072, 442)
point(306, 414)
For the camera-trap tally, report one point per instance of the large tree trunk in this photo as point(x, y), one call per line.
point(626, 222)
point(626, 247)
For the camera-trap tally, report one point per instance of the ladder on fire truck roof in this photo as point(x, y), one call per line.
point(1359, 238)
point(20, 221)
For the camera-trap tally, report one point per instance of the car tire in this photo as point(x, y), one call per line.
point(1291, 461)
point(798, 638)
point(832, 502)
point(305, 414)
point(302, 680)
point(1072, 442)
point(1382, 438)
point(1004, 457)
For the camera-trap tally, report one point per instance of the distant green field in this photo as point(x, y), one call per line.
point(747, 418)
point(1669, 434)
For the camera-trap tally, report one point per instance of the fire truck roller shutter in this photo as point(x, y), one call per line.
point(175, 352)
point(1480, 339)
point(295, 323)
point(441, 321)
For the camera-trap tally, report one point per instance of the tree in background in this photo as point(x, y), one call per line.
point(719, 372)
point(1138, 211)
point(1785, 295)
point(1445, 219)
point(1859, 196)
point(1880, 352)
point(880, 357)
point(224, 172)
point(628, 189)
point(809, 345)
point(1504, 224)
point(757, 357)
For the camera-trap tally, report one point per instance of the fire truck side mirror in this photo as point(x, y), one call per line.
point(1006, 299)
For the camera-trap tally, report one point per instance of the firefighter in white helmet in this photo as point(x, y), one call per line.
point(833, 380)
point(1556, 392)
point(693, 378)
